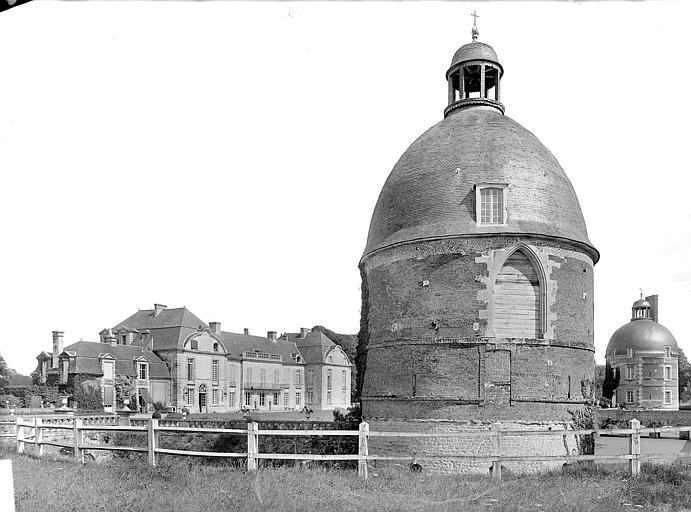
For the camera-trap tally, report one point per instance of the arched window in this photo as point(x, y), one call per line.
point(517, 308)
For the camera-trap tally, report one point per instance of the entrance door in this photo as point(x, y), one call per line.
point(202, 398)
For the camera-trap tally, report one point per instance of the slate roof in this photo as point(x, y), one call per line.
point(236, 344)
point(314, 346)
point(168, 329)
point(474, 51)
point(86, 359)
point(430, 193)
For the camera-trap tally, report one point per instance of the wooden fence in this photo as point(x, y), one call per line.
point(32, 432)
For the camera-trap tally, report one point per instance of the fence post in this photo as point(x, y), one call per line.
point(151, 438)
point(635, 447)
point(363, 450)
point(38, 430)
point(496, 448)
point(20, 436)
point(252, 445)
point(78, 452)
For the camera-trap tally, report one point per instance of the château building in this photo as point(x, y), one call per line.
point(645, 355)
point(173, 357)
point(477, 282)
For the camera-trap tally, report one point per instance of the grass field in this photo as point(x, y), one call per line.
point(187, 485)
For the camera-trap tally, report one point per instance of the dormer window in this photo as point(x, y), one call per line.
point(629, 351)
point(215, 347)
point(194, 344)
point(142, 371)
point(668, 351)
point(490, 203)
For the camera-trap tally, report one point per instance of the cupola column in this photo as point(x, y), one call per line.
point(461, 83)
point(496, 86)
point(452, 92)
point(483, 93)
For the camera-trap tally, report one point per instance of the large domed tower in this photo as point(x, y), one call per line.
point(477, 279)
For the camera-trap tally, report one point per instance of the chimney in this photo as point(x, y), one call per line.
point(304, 331)
point(57, 346)
point(247, 331)
point(158, 308)
point(215, 327)
point(653, 306)
point(272, 335)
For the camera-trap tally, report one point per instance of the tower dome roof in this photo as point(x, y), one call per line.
point(643, 334)
point(430, 192)
point(474, 51)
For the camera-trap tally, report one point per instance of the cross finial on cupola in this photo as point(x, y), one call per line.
point(475, 31)
point(641, 290)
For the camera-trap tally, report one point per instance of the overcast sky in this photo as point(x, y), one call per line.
point(227, 156)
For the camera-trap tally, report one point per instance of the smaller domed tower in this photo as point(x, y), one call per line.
point(646, 356)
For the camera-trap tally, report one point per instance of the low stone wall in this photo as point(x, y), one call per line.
point(479, 446)
point(648, 418)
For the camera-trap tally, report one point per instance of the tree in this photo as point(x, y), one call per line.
point(611, 382)
point(4, 375)
point(684, 377)
point(123, 389)
point(599, 380)
point(88, 396)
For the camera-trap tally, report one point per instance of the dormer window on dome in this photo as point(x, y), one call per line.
point(490, 203)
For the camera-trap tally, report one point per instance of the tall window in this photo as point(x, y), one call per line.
point(214, 397)
point(668, 397)
point(629, 372)
point(629, 396)
point(262, 376)
point(142, 371)
point(275, 398)
point(310, 377)
point(310, 397)
point(262, 399)
point(285, 399)
point(328, 397)
point(248, 375)
point(214, 371)
point(248, 398)
point(490, 207)
point(668, 373)
point(189, 398)
point(343, 396)
point(329, 379)
point(65, 371)
point(276, 380)
point(343, 379)
point(231, 399)
point(298, 377)
point(298, 399)
point(190, 368)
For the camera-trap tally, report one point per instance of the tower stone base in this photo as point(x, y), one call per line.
point(436, 454)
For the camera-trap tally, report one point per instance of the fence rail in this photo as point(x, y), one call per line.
point(32, 432)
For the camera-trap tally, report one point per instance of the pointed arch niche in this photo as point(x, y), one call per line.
point(517, 305)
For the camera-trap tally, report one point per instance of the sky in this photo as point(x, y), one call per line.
point(227, 156)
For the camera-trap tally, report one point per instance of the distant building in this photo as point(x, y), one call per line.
point(328, 370)
point(646, 355)
point(175, 358)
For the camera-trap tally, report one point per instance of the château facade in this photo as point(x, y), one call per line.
point(173, 357)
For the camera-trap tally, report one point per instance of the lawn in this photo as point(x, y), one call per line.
point(178, 484)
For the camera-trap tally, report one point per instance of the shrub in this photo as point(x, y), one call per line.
point(88, 396)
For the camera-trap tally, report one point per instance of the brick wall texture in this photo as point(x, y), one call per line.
point(433, 361)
